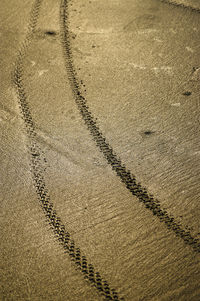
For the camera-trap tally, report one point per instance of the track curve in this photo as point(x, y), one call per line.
point(38, 173)
point(106, 149)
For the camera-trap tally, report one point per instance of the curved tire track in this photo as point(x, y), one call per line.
point(37, 170)
point(125, 175)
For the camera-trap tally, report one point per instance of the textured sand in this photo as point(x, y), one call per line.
point(137, 64)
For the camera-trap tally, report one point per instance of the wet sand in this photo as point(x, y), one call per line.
point(96, 98)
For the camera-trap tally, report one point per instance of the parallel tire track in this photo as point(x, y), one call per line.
point(37, 170)
point(125, 175)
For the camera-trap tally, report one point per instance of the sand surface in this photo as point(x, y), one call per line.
point(99, 120)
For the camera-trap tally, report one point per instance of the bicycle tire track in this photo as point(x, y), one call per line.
point(174, 3)
point(106, 149)
point(92, 276)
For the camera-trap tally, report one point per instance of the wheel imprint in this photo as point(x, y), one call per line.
point(36, 156)
point(188, 7)
point(37, 170)
point(125, 175)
